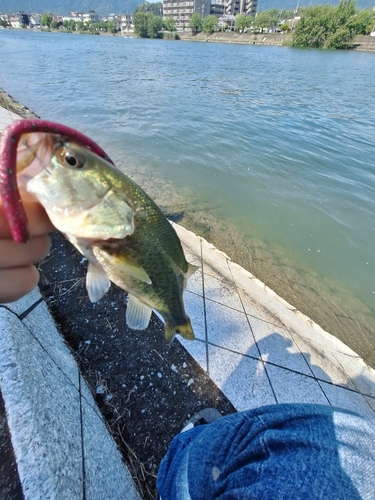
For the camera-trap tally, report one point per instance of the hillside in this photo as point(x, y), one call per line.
point(105, 7)
point(291, 4)
point(65, 7)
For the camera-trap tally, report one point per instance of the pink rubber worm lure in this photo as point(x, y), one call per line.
point(9, 194)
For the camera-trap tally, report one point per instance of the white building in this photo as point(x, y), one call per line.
point(91, 17)
point(182, 10)
point(75, 16)
point(248, 7)
point(127, 23)
point(19, 20)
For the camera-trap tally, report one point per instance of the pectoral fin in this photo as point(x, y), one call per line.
point(132, 269)
point(138, 314)
point(97, 283)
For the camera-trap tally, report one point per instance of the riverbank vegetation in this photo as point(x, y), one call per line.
point(70, 25)
point(326, 26)
point(322, 26)
point(147, 25)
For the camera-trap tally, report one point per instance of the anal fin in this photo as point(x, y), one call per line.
point(138, 314)
point(97, 283)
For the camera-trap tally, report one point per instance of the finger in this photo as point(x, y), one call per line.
point(17, 282)
point(39, 222)
point(23, 254)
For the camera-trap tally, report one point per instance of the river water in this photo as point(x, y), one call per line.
point(268, 152)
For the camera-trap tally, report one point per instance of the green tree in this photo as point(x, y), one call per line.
point(363, 22)
point(196, 22)
point(46, 20)
point(140, 22)
point(241, 21)
point(70, 24)
point(155, 24)
point(340, 38)
point(154, 8)
point(285, 27)
point(111, 27)
point(55, 25)
point(169, 24)
point(210, 24)
point(268, 19)
point(101, 26)
point(326, 26)
point(3, 23)
point(81, 26)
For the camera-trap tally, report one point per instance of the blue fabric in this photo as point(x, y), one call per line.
point(276, 452)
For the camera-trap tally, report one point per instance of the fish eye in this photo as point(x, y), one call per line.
point(74, 160)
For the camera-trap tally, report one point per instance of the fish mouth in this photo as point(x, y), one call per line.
point(34, 155)
point(10, 139)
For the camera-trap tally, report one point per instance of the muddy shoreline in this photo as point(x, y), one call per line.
point(7, 102)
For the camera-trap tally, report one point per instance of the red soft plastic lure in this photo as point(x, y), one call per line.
point(9, 193)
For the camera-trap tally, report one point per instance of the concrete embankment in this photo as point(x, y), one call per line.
point(363, 43)
point(246, 38)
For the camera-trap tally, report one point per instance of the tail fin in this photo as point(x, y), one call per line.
point(185, 330)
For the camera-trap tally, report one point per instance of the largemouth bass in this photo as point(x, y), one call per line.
point(115, 225)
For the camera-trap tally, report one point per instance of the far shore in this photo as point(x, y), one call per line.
point(361, 43)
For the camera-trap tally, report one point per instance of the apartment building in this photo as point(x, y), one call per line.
point(182, 10)
point(116, 19)
point(19, 20)
point(248, 7)
point(127, 22)
point(217, 8)
point(91, 17)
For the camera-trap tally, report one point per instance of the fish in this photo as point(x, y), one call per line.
point(18, 141)
point(121, 231)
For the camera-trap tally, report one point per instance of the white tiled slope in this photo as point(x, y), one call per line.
point(61, 444)
point(258, 348)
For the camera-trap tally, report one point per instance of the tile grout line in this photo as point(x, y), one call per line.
point(76, 386)
point(313, 374)
point(355, 385)
point(311, 370)
point(320, 380)
point(82, 439)
point(342, 368)
point(204, 311)
point(290, 370)
point(252, 333)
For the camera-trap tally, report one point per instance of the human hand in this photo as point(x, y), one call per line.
point(18, 275)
